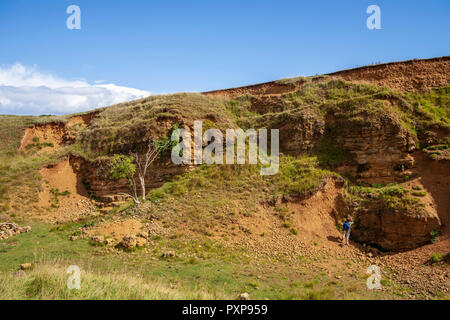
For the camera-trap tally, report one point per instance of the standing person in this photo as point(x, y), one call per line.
point(347, 227)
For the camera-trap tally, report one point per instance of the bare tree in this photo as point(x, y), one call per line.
point(125, 167)
point(144, 162)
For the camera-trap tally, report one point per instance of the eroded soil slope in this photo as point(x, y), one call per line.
point(63, 196)
point(412, 75)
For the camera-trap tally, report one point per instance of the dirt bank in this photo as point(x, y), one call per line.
point(411, 75)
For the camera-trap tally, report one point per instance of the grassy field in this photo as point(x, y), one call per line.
point(216, 272)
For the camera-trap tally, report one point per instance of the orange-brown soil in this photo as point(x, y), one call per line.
point(434, 176)
point(318, 244)
point(412, 75)
point(72, 205)
point(82, 120)
point(45, 133)
point(117, 229)
point(55, 133)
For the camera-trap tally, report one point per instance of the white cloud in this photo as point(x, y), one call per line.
point(24, 90)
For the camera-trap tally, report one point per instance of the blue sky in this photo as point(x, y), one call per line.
point(172, 46)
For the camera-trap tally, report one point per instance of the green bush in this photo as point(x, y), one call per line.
point(436, 257)
point(434, 234)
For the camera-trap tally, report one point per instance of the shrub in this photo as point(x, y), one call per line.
point(434, 234)
point(286, 224)
point(436, 257)
point(166, 144)
point(300, 175)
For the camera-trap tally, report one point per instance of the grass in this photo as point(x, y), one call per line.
point(384, 199)
point(330, 154)
point(201, 269)
point(211, 195)
point(122, 126)
point(300, 176)
point(433, 105)
point(49, 282)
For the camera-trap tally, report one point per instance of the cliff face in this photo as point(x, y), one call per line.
point(95, 177)
point(301, 133)
point(382, 149)
point(411, 75)
point(368, 134)
point(396, 230)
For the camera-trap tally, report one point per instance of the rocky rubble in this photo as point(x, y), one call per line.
point(130, 242)
point(10, 229)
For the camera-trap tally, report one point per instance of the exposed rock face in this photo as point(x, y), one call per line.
point(56, 133)
point(412, 75)
point(301, 133)
point(95, 177)
point(273, 87)
point(381, 148)
point(399, 230)
point(53, 133)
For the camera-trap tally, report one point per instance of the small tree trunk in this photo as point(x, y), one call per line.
point(142, 179)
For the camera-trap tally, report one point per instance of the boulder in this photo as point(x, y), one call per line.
point(128, 242)
point(25, 229)
point(98, 239)
point(110, 241)
point(143, 234)
point(26, 266)
point(168, 254)
point(141, 242)
point(244, 296)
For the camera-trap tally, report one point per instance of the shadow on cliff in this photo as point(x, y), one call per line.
point(435, 177)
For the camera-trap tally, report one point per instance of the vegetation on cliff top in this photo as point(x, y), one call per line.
point(384, 199)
